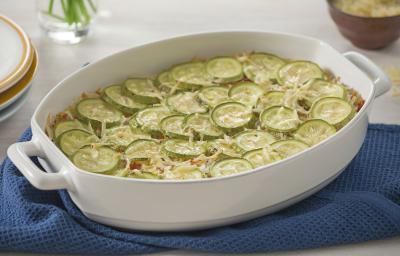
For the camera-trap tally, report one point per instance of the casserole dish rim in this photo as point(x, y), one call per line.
point(69, 165)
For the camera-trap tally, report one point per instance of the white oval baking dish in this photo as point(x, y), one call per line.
point(155, 205)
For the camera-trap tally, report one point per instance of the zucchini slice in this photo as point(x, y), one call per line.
point(202, 125)
point(314, 131)
point(66, 126)
point(336, 111)
point(192, 74)
point(173, 126)
point(142, 90)
point(213, 95)
point(185, 172)
point(286, 148)
point(261, 156)
point(122, 136)
point(185, 103)
point(115, 96)
point(279, 119)
point(142, 149)
point(318, 88)
point(101, 159)
point(165, 79)
point(225, 149)
point(270, 99)
point(230, 166)
point(149, 118)
point(231, 115)
point(246, 93)
point(184, 149)
point(253, 139)
point(97, 111)
point(144, 175)
point(224, 69)
point(297, 73)
point(261, 68)
point(72, 140)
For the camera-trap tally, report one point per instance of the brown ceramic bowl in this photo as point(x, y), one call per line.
point(366, 32)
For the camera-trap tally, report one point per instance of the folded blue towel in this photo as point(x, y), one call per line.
point(361, 204)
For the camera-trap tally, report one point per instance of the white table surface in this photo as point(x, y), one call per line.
point(126, 23)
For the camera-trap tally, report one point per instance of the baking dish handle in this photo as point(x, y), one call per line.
point(19, 154)
point(379, 78)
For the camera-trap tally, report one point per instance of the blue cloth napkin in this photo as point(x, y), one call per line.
point(361, 204)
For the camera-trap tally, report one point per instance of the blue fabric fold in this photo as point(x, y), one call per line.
point(362, 204)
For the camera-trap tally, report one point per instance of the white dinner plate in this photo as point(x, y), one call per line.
point(16, 53)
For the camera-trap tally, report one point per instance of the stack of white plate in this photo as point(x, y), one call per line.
point(18, 65)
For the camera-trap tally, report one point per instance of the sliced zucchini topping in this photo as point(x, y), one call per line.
point(185, 103)
point(335, 111)
point(279, 119)
point(72, 140)
point(214, 95)
point(319, 88)
point(202, 125)
point(142, 149)
point(183, 148)
point(185, 172)
point(261, 156)
point(142, 90)
point(149, 118)
point(270, 99)
point(298, 73)
point(96, 159)
point(286, 148)
point(261, 68)
point(230, 166)
point(231, 115)
point(205, 118)
point(246, 93)
point(192, 73)
point(313, 131)
point(122, 136)
point(97, 112)
point(66, 126)
point(224, 69)
point(253, 139)
point(173, 126)
point(115, 96)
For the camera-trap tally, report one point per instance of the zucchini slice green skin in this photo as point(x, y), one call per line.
point(262, 156)
point(246, 93)
point(142, 90)
point(72, 140)
point(66, 126)
point(185, 103)
point(97, 111)
point(229, 166)
point(314, 131)
point(231, 115)
point(286, 148)
point(173, 127)
point(115, 96)
point(202, 126)
point(253, 139)
point(279, 119)
point(224, 69)
point(336, 111)
point(297, 73)
point(319, 88)
point(142, 149)
point(193, 74)
point(184, 149)
point(261, 68)
point(101, 159)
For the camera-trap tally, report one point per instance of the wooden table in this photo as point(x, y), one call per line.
point(126, 23)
